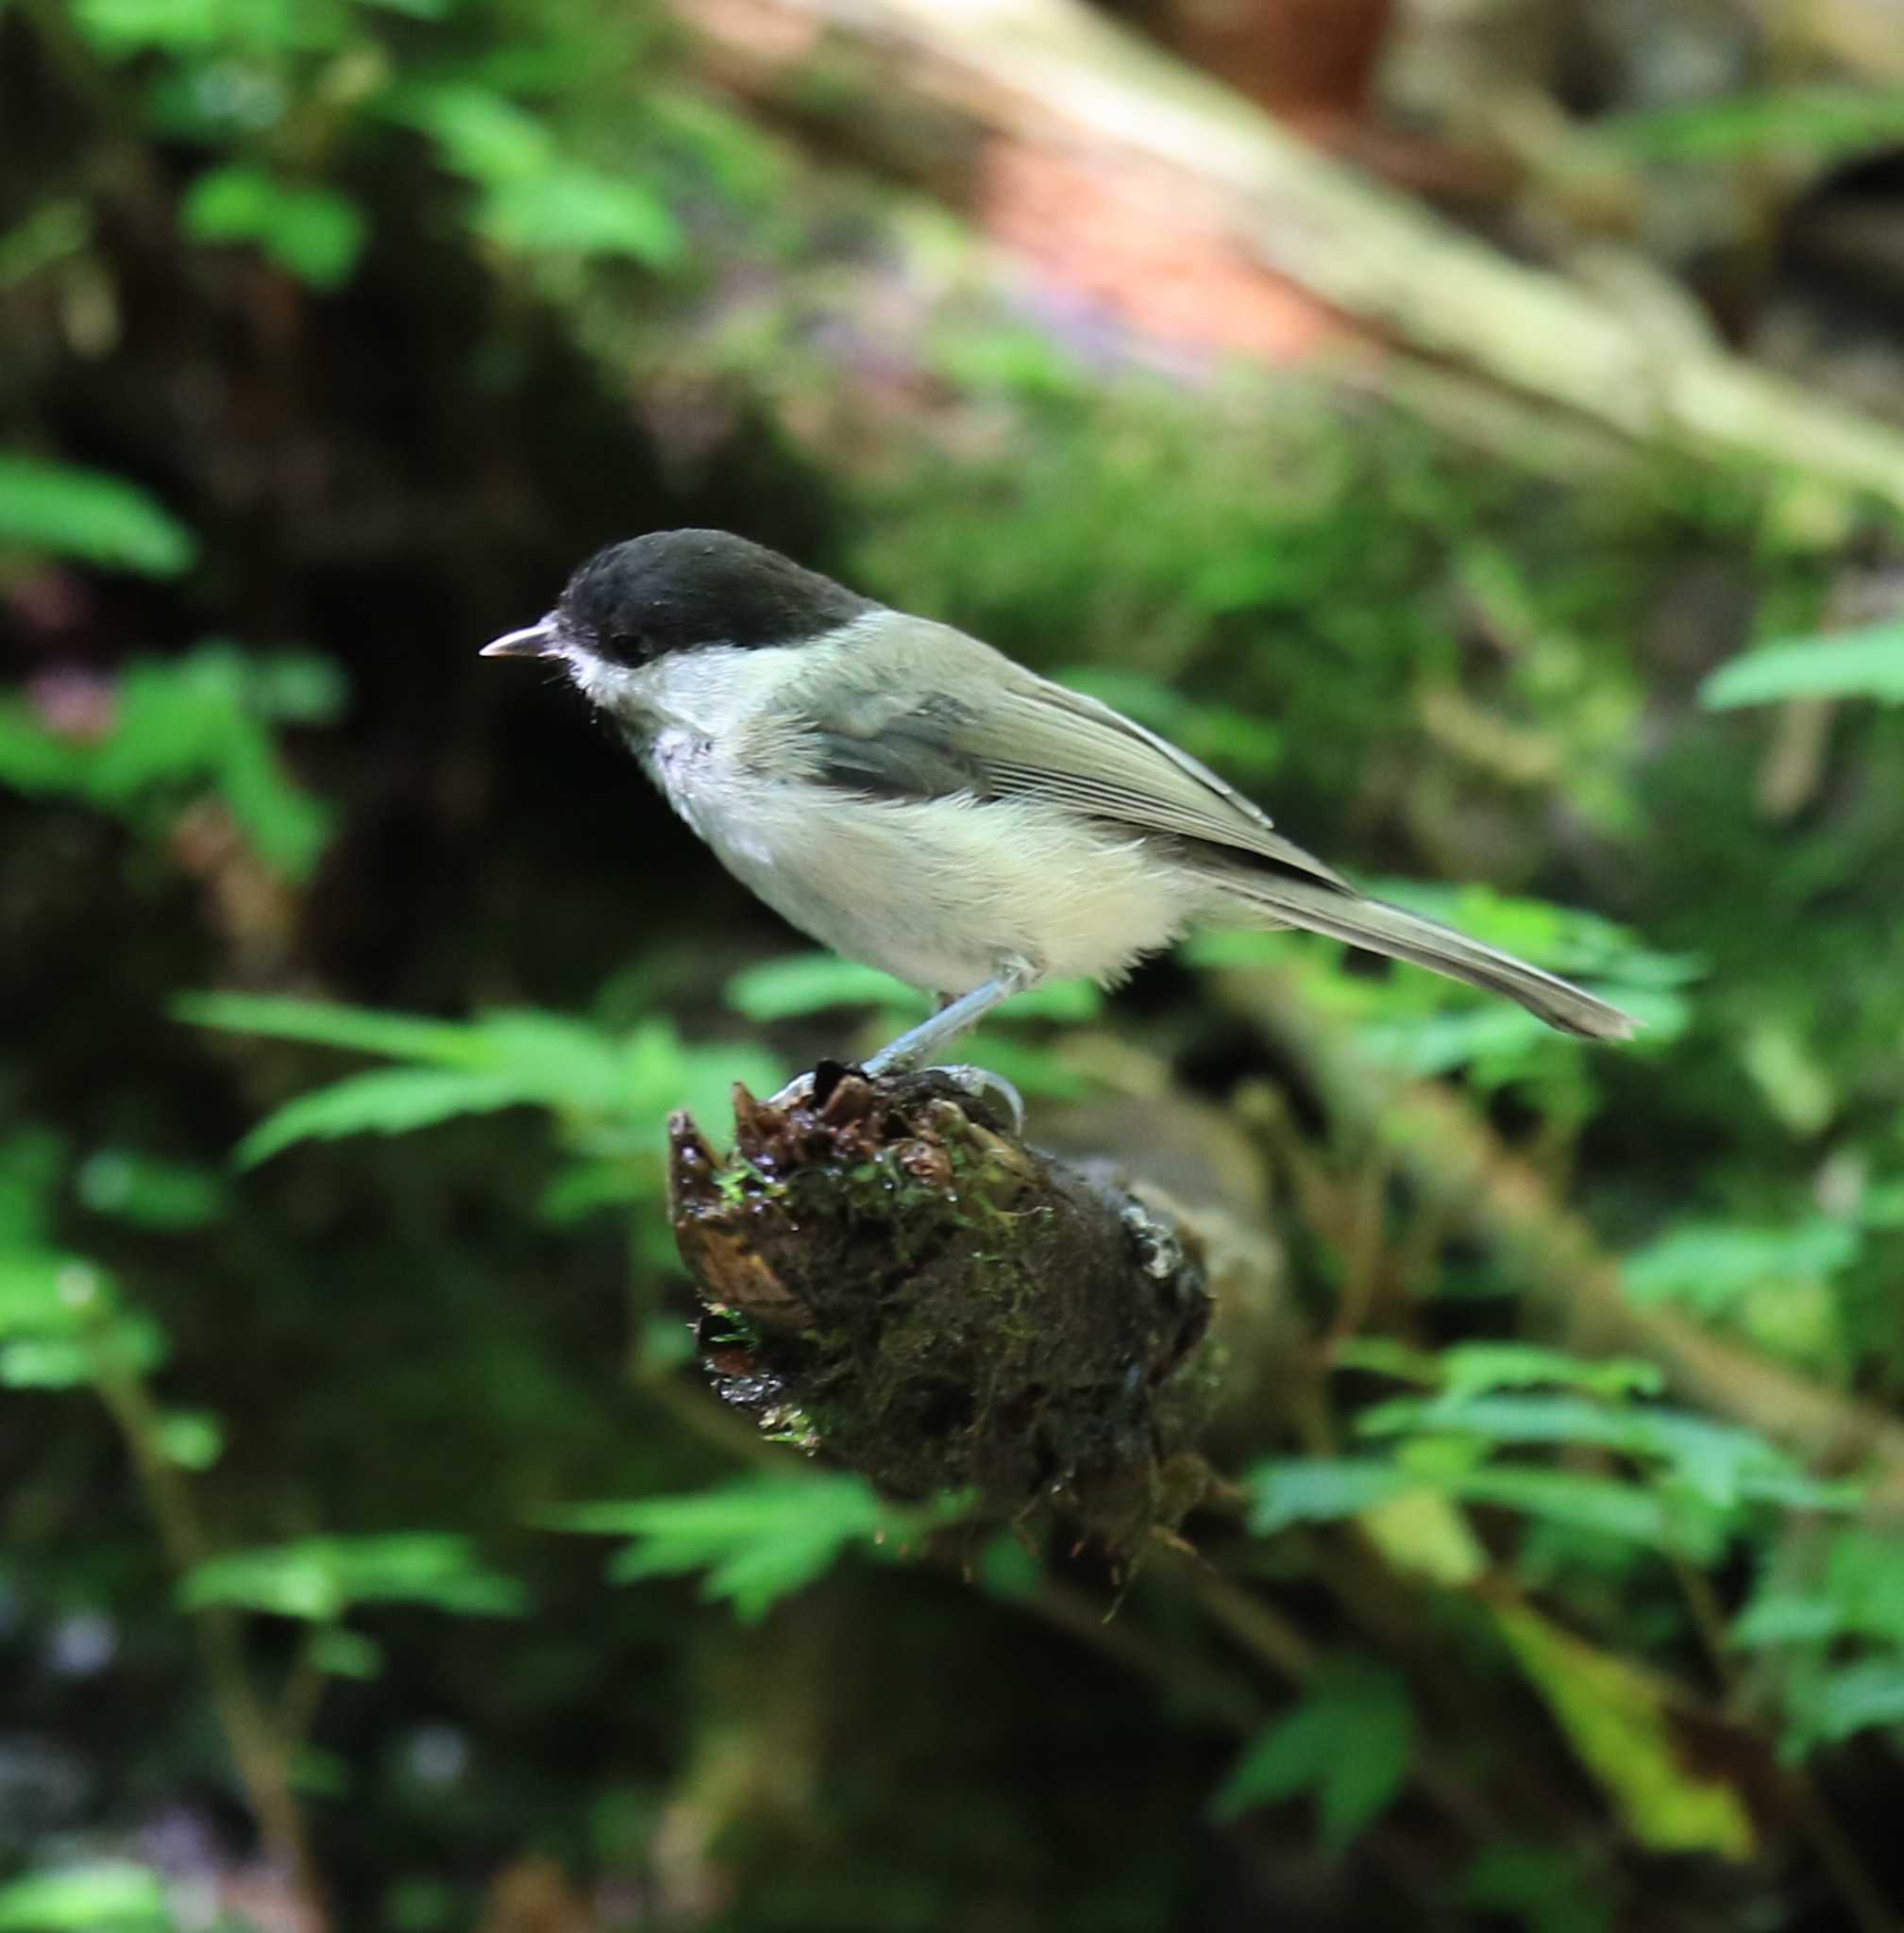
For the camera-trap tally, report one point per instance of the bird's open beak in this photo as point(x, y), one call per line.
point(542, 639)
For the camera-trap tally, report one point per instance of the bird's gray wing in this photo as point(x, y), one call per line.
point(1011, 733)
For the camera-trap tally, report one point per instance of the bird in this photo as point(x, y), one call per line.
point(918, 802)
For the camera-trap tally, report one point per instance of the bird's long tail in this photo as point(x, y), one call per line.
point(1385, 929)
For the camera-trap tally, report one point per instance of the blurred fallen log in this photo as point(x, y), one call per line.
point(1863, 37)
point(1110, 165)
point(893, 1277)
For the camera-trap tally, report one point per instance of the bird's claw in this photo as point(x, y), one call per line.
point(980, 1082)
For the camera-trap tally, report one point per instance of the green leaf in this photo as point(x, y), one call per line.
point(1007, 1570)
point(1349, 1742)
point(811, 983)
point(1860, 1594)
point(324, 1023)
point(1613, 1717)
point(1595, 1503)
point(1849, 1699)
point(315, 233)
point(127, 1343)
point(41, 1290)
point(193, 1438)
point(1321, 1489)
point(66, 511)
point(567, 209)
point(1423, 1532)
point(1428, 1046)
point(1714, 1266)
point(479, 132)
point(760, 1539)
point(515, 1057)
point(178, 723)
point(120, 28)
point(1473, 1368)
point(1819, 123)
point(344, 1654)
point(388, 1100)
point(104, 1898)
point(1861, 664)
point(321, 1579)
point(32, 1160)
point(1546, 1891)
point(1721, 1464)
point(148, 1192)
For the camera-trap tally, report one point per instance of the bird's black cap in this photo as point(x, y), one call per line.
point(674, 590)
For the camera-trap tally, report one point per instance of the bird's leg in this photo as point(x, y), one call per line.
point(914, 1049)
point(918, 1047)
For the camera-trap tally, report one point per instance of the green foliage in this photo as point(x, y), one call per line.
point(1619, 1726)
point(813, 983)
point(1775, 1283)
point(105, 1898)
point(148, 1192)
point(180, 727)
point(315, 233)
point(1349, 1743)
point(1840, 665)
point(59, 509)
point(1693, 1482)
point(1720, 1464)
point(191, 1438)
point(611, 1092)
point(1712, 1265)
point(63, 1323)
point(1827, 1622)
point(1817, 125)
point(321, 1579)
point(531, 199)
point(760, 1539)
point(1321, 1489)
point(1541, 1891)
point(1474, 1368)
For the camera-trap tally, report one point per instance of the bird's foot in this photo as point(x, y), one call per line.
point(815, 1087)
point(980, 1082)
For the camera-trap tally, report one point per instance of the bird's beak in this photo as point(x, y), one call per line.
point(542, 639)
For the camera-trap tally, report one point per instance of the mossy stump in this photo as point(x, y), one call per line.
point(893, 1278)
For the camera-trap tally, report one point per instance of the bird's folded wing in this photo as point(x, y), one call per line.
point(1028, 737)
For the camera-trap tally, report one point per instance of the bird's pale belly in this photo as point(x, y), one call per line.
point(940, 893)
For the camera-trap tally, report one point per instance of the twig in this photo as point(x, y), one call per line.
point(258, 1751)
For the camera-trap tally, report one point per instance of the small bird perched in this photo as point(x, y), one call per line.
point(918, 801)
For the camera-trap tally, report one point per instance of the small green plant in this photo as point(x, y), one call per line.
point(609, 1092)
point(175, 731)
point(66, 1323)
point(759, 1538)
point(1867, 663)
point(1348, 1742)
point(57, 509)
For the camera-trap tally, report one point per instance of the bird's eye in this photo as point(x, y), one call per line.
point(631, 647)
